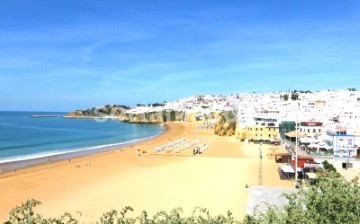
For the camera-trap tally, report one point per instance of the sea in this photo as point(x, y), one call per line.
point(25, 140)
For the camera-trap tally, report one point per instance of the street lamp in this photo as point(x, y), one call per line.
point(296, 144)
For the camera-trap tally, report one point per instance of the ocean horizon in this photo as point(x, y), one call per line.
point(24, 138)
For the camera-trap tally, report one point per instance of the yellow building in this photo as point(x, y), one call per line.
point(262, 133)
point(261, 130)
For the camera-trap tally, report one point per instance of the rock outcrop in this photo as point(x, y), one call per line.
point(120, 113)
point(98, 112)
point(225, 124)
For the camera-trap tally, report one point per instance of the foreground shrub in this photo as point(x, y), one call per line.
point(331, 200)
point(24, 214)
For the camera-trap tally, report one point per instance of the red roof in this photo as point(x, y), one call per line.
point(305, 158)
point(282, 154)
point(302, 160)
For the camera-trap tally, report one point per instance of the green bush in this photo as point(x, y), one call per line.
point(331, 200)
point(328, 166)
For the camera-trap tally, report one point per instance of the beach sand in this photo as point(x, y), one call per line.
point(136, 176)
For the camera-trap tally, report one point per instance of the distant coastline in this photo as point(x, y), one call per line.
point(46, 116)
point(91, 117)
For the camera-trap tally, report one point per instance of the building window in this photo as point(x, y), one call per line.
point(349, 142)
point(269, 135)
point(341, 142)
point(319, 130)
point(314, 130)
point(269, 129)
point(256, 129)
point(308, 130)
point(260, 129)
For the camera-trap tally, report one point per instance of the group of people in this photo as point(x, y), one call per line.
point(199, 149)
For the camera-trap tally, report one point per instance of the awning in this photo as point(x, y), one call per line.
point(287, 169)
point(306, 140)
point(311, 175)
point(327, 147)
point(313, 146)
point(292, 134)
point(282, 154)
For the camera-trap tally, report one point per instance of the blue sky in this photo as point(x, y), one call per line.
point(67, 55)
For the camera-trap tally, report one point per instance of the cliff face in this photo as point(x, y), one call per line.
point(108, 110)
point(225, 124)
point(120, 114)
point(154, 117)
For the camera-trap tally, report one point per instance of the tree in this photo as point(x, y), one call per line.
point(294, 96)
point(328, 166)
point(331, 200)
point(172, 116)
point(286, 97)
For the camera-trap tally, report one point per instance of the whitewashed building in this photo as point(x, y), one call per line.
point(342, 141)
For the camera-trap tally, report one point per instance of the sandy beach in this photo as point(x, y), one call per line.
point(136, 176)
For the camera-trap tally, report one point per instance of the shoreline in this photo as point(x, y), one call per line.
point(14, 164)
point(97, 183)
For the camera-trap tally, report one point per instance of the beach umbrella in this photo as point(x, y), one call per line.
point(305, 140)
point(313, 145)
point(327, 147)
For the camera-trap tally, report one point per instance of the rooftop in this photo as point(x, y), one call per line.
point(258, 196)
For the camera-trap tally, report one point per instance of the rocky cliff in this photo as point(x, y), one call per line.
point(225, 124)
point(98, 112)
point(120, 113)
